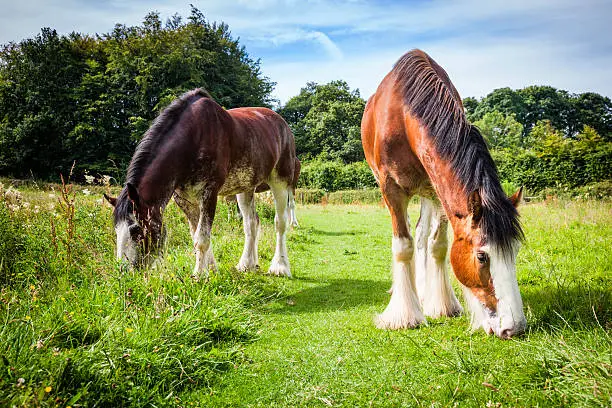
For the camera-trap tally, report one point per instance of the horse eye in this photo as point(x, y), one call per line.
point(482, 257)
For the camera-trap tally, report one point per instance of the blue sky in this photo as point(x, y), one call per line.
point(482, 44)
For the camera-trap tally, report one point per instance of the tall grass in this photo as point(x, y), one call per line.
point(80, 329)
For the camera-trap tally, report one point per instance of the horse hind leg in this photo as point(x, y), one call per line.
point(403, 310)
point(250, 222)
point(291, 204)
point(280, 262)
point(437, 296)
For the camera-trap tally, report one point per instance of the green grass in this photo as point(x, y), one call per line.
point(100, 335)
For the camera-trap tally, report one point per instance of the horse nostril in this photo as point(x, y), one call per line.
point(506, 334)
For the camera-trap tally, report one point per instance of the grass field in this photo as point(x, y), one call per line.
point(78, 329)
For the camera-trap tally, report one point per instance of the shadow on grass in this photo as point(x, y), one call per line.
point(317, 231)
point(576, 305)
point(337, 294)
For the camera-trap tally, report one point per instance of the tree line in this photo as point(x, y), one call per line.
point(88, 100)
point(540, 137)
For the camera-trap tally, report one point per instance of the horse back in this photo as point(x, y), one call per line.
point(391, 140)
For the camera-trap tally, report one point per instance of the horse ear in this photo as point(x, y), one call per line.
point(517, 197)
point(133, 194)
point(111, 200)
point(475, 206)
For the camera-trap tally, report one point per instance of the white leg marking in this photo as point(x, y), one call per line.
point(205, 259)
point(292, 218)
point(420, 255)
point(403, 310)
point(250, 222)
point(432, 281)
point(280, 262)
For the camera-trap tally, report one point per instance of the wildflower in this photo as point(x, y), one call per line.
point(89, 179)
point(36, 209)
point(48, 389)
point(32, 287)
point(20, 382)
point(51, 195)
point(86, 191)
point(28, 318)
point(129, 330)
point(106, 180)
point(25, 205)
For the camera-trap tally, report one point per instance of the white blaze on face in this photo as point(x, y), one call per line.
point(509, 319)
point(126, 247)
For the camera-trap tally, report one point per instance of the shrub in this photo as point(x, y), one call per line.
point(334, 176)
point(370, 196)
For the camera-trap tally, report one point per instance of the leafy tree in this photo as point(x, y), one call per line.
point(594, 111)
point(326, 119)
point(499, 130)
point(90, 99)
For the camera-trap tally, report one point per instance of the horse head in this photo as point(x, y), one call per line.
point(138, 226)
point(487, 271)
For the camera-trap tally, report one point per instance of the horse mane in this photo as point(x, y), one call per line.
point(431, 97)
point(150, 143)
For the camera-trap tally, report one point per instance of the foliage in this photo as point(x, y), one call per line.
point(79, 329)
point(326, 119)
point(555, 161)
point(309, 195)
point(90, 99)
point(320, 346)
point(366, 196)
point(334, 175)
point(499, 130)
point(567, 112)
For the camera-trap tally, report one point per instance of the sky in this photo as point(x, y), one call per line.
point(482, 44)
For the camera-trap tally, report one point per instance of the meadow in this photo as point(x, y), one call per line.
point(81, 329)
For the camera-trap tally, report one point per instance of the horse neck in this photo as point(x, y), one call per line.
point(448, 187)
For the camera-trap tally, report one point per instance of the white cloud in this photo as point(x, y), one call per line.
point(482, 44)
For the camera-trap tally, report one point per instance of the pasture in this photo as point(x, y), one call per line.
point(80, 329)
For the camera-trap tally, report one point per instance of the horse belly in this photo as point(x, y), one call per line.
point(239, 179)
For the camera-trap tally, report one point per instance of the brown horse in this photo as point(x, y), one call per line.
point(195, 150)
point(417, 141)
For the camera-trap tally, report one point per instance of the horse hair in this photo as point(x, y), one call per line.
point(430, 96)
point(150, 142)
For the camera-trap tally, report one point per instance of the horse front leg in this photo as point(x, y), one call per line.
point(438, 298)
point(205, 260)
point(250, 222)
point(403, 310)
point(280, 262)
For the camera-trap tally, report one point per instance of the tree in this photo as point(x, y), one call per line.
point(326, 119)
point(499, 130)
point(90, 99)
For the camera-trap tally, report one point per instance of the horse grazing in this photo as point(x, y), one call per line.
point(417, 141)
point(195, 150)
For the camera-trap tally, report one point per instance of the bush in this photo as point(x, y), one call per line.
point(370, 196)
point(334, 176)
point(309, 196)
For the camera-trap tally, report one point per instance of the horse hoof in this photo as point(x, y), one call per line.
point(279, 269)
point(393, 321)
point(244, 267)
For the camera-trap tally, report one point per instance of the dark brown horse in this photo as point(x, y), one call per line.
point(195, 150)
point(417, 141)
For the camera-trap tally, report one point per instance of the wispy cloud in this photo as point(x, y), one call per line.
point(482, 44)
